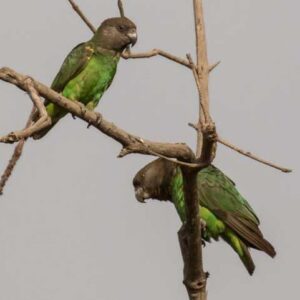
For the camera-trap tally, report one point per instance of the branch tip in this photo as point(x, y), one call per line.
point(82, 16)
point(212, 67)
point(121, 8)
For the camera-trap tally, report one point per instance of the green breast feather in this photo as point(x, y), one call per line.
point(88, 85)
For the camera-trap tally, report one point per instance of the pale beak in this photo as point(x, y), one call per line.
point(140, 195)
point(133, 37)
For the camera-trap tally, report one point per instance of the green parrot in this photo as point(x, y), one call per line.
point(88, 70)
point(225, 212)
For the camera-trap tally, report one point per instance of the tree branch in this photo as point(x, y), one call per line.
point(190, 238)
point(156, 52)
point(82, 16)
point(16, 155)
point(252, 156)
point(130, 142)
point(121, 8)
point(43, 121)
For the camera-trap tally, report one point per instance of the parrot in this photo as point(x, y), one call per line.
point(225, 212)
point(89, 69)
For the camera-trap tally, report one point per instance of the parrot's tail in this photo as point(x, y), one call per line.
point(241, 249)
point(247, 259)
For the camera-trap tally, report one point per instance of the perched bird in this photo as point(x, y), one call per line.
point(226, 213)
point(88, 70)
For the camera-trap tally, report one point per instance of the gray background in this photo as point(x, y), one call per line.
point(70, 227)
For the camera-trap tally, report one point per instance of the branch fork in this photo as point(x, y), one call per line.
point(43, 121)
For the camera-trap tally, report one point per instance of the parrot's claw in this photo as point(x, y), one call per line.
point(73, 116)
point(98, 120)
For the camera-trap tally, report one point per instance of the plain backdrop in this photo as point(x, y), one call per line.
point(70, 227)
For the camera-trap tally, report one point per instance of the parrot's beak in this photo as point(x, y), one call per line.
point(140, 195)
point(133, 37)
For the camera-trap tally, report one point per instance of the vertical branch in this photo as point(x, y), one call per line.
point(190, 236)
point(203, 69)
point(190, 239)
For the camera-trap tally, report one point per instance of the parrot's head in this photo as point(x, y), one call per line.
point(153, 181)
point(116, 34)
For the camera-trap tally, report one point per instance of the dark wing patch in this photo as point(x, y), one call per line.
point(247, 230)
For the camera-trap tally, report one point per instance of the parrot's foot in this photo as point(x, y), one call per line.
point(73, 116)
point(98, 120)
point(184, 237)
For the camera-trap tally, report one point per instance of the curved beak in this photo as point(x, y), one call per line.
point(140, 195)
point(132, 36)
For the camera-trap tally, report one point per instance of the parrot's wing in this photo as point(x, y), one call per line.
point(219, 195)
point(219, 192)
point(74, 63)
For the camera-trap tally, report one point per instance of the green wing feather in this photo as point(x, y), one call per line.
point(219, 195)
point(226, 213)
point(218, 192)
point(74, 63)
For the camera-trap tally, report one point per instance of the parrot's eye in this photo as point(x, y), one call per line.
point(122, 28)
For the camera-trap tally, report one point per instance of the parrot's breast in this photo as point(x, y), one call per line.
point(93, 80)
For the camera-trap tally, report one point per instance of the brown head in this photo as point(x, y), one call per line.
point(153, 181)
point(116, 34)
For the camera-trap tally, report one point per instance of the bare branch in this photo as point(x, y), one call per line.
point(82, 16)
point(156, 52)
point(15, 157)
point(131, 142)
point(245, 153)
point(252, 156)
point(43, 121)
point(121, 8)
point(126, 151)
point(195, 73)
point(212, 67)
point(190, 239)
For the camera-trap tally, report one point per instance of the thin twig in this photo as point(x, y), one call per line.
point(156, 52)
point(252, 156)
point(195, 73)
point(82, 16)
point(16, 156)
point(246, 153)
point(121, 8)
point(212, 67)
